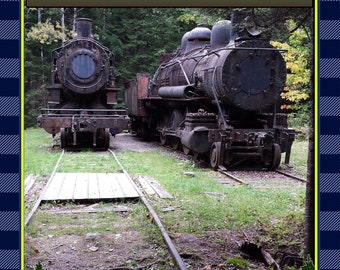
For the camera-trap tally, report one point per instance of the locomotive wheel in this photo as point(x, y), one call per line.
point(162, 139)
point(186, 150)
point(215, 155)
point(107, 138)
point(62, 138)
point(276, 157)
point(175, 142)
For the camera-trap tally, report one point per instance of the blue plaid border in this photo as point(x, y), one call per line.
point(10, 237)
point(329, 134)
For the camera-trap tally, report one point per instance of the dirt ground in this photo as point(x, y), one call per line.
point(120, 248)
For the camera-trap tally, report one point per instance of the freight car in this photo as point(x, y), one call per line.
point(83, 93)
point(217, 96)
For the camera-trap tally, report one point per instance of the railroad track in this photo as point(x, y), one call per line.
point(233, 174)
point(249, 177)
point(152, 214)
point(177, 258)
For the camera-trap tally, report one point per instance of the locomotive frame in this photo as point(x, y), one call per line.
point(82, 93)
point(217, 96)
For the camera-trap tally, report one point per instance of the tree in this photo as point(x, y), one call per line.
point(310, 191)
point(41, 37)
point(297, 89)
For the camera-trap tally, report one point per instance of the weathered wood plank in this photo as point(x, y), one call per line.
point(150, 183)
point(146, 186)
point(81, 189)
point(162, 193)
point(93, 186)
point(67, 189)
point(128, 189)
point(116, 188)
point(54, 187)
point(105, 188)
point(78, 186)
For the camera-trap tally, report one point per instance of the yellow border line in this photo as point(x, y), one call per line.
point(316, 139)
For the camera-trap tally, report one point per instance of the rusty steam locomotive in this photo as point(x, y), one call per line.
point(218, 96)
point(83, 92)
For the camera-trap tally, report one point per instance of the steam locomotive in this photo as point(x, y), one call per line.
point(83, 93)
point(218, 96)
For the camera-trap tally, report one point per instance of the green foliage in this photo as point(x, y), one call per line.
point(238, 263)
point(33, 101)
point(308, 265)
point(297, 60)
point(38, 266)
point(45, 33)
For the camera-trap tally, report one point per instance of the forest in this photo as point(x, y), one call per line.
point(138, 36)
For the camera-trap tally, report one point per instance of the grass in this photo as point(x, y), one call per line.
point(80, 223)
point(39, 157)
point(298, 157)
point(238, 207)
point(88, 161)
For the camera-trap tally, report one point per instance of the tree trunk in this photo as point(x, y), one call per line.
point(41, 51)
point(62, 10)
point(310, 203)
point(75, 14)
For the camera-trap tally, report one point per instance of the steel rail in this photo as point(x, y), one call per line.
point(233, 177)
point(37, 203)
point(290, 175)
point(179, 262)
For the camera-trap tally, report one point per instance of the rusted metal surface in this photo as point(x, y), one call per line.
point(82, 120)
point(135, 92)
point(290, 175)
point(83, 89)
point(237, 79)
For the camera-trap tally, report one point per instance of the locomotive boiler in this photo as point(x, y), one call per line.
point(83, 93)
point(217, 96)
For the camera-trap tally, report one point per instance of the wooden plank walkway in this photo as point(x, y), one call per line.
point(83, 186)
point(152, 187)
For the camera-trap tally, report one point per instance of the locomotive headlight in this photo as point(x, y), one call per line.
point(83, 66)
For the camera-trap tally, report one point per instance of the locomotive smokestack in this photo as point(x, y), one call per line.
point(84, 28)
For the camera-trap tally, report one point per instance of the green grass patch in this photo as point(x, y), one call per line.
point(39, 157)
point(299, 157)
point(88, 161)
point(238, 206)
